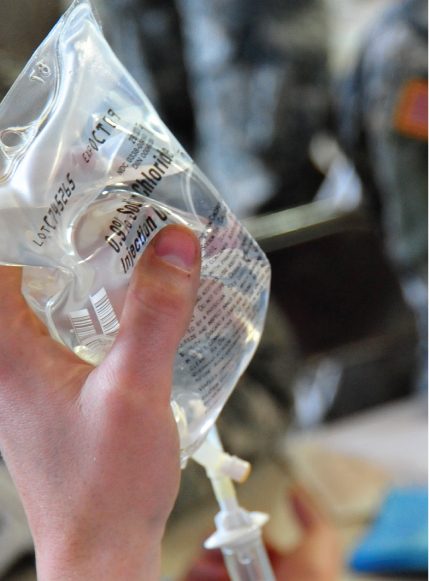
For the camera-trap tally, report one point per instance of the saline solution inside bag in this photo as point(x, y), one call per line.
point(88, 175)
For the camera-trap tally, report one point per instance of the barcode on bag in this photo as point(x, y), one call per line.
point(105, 313)
point(83, 327)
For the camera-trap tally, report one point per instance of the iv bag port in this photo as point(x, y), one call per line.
point(12, 138)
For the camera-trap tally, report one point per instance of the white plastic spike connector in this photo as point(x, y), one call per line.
point(219, 463)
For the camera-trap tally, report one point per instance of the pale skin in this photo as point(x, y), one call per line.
point(94, 452)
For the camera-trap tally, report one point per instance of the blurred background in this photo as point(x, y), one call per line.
point(310, 117)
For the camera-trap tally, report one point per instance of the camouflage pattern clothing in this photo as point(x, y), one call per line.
point(383, 125)
point(383, 116)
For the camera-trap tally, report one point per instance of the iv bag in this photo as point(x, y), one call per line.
point(88, 175)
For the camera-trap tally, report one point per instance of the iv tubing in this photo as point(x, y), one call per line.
point(238, 533)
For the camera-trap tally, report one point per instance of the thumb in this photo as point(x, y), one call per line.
point(157, 311)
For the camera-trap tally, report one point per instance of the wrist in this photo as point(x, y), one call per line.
point(108, 558)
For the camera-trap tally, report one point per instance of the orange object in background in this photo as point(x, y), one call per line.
point(411, 115)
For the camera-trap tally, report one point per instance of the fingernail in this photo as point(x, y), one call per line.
point(177, 246)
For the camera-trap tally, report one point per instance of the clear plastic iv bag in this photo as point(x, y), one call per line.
point(88, 175)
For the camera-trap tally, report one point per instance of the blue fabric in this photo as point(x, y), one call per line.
point(398, 540)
